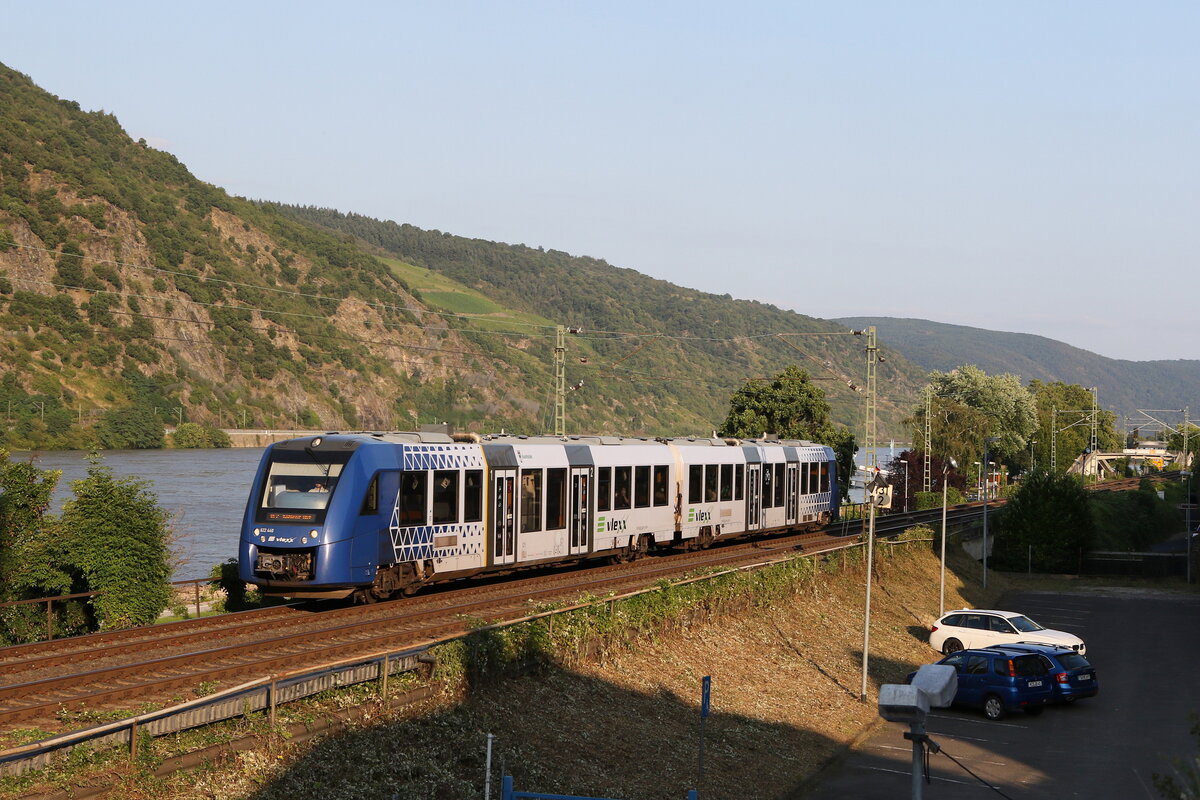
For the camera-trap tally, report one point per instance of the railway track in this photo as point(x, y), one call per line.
point(114, 670)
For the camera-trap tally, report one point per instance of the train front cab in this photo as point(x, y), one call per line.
point(294, 538)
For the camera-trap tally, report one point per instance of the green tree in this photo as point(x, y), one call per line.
point(30, 549)
point(117, 537)
point(968, 406)
point(136, 428)
point(791, 407)
point(1050, 514)
point(1073, 429)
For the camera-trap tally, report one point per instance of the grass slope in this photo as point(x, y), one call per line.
point(616, 716)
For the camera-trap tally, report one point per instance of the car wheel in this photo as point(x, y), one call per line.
point(993, 707)
point(951, 646)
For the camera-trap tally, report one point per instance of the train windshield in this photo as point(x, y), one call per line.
point(299, 486)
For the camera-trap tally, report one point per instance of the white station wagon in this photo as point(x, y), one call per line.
point(970, 628)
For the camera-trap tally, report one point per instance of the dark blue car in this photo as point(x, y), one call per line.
point(1073, 677)
point(1002, 679)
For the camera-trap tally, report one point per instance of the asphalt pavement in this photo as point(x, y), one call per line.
point(1147, 655)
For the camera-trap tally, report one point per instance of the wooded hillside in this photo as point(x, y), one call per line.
point(126, 281)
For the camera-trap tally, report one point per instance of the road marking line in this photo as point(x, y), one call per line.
point(960, 758)
point(979, 721)
point(902, 772)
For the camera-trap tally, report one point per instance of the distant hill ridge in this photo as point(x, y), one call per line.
point(1123, 386)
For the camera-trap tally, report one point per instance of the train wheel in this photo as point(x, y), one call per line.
point(705, 539)
point(364, 597)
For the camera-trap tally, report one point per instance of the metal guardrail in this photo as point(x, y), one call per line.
point(62, 598)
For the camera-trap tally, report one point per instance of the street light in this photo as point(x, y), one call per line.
point(947, 465)
point(987, 443)
point(1032, 442)
point(905, 465)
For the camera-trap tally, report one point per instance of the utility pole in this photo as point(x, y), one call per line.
point(560, 381)
point(928, 484)
point(872, 359)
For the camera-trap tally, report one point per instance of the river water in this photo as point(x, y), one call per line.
point(205, 491)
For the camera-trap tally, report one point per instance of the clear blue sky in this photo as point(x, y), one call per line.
point(1020, 166)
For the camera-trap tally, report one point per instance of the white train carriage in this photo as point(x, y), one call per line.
point(713, 477)
point(793, 481)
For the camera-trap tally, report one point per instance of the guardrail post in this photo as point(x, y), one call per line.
point(133, 740)
point(387, 668)
point(271, 704)
point(49, 620)
point(197, 585)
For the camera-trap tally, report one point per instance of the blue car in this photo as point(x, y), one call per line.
point(1001, 679)
point(1073, 676)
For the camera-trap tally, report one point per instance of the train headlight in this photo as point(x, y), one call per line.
point(262, 539)
point(314, 533)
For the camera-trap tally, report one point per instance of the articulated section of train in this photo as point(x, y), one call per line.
point(376, 514)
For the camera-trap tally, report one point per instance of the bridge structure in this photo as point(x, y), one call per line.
point(1146, 457)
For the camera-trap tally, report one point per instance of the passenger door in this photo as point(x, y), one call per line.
point(791, 499)
point(753, 497)
point(504, 516)
point(580, 523)
point(972, 679)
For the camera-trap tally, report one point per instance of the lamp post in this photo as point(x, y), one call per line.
point(1032, 442)
point(978, 481)
point(987, 443)
point(873, 494)
point(905, 465)
point(947, 465)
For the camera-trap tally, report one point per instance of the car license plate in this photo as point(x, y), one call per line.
point(1085, 677)
point(1035, 683)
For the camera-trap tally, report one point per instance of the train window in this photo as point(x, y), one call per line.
point(622, 477)
point(805, 478)
point(779, 485)
point(739, 481)
point(641, 487)
point(556, 499)
point(300, 485)
point(711, 474)
point(695, 484)
point(370, 503)
point(604, 489)
point(412, 502)
point(531, 500)
point(661, 476)
point(445, 497)
point(824, 476)
point(727, 482)
point(767, 494)
point(473, 495)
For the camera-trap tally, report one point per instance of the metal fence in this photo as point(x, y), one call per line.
point(1145, 565)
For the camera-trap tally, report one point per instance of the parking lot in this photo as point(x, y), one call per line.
point(1147, 654)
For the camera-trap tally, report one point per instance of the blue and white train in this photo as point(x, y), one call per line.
point(376, 514)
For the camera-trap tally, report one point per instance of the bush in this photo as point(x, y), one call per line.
point(134, 428)
point(1049, 519)
point(117, 536)
point(191, 435)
